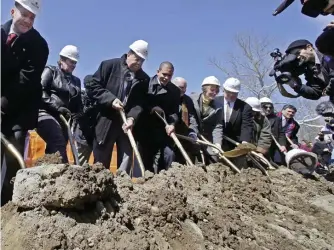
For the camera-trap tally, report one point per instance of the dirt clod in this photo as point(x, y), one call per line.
point(185, 208)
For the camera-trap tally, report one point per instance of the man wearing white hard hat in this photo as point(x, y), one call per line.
point(276, 128)
point(262, 131)
point(208, 114)
point(237, 115)
point(119, 84)
point(61, 96)
point(24, 53)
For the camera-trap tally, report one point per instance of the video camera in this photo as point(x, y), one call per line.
point(290, 66)
point(311, 8)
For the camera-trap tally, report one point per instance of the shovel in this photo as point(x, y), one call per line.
point(70, 137)
point(11, 148)
point(134, 146)
point(207, 143)
point(306, 161)
point(177, 142)
point(255, 157)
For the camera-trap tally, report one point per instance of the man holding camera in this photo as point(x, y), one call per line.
point(302, 58)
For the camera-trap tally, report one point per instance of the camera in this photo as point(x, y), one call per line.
point(289, 66)
point(311, 8)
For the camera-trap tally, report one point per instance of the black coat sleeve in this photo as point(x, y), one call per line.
point(75, 104)
point(173, 118)
point(27, 89)
point(281, 134)
point(140, 98)
point(312, 89)
point(247, 124)
point(49, 102)
point(35, 67)
point(96, 86)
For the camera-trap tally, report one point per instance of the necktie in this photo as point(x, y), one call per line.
point(11, 38)
point(184, 111)
point(228, 112)
point(284, 122)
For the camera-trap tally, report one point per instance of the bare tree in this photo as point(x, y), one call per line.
point(251, 63)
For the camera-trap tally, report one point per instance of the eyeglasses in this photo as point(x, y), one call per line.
point(267, 107)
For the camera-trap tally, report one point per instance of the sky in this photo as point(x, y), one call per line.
point(185, 32)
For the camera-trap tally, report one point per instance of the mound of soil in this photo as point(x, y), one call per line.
point(185, 208)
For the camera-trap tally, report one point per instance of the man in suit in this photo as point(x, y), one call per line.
point(237, 115)
point(187, 124)
point(119, 84)
point(162, 97)
point(289, 125)
point(24, 53)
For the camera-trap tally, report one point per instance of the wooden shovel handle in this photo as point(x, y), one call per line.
point(134, 145)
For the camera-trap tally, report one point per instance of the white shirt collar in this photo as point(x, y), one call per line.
point(231, 103)
point(11, 30)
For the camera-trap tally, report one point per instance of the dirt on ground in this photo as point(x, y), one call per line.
point(186, 208)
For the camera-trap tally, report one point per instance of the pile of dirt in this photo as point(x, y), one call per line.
point(185, 208)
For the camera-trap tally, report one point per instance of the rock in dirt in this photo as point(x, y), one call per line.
point(184, 208)
point(61, 186)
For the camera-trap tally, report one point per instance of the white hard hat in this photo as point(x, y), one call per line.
point(140, 47)
point(31, 5)
point(211, 80)
point(254, 103)
point(71, 52)
point(266, 100)
point(232, 84)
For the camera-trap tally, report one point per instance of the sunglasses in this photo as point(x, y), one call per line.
point(267, 107)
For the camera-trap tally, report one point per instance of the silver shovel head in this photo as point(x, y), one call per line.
point(301, 161)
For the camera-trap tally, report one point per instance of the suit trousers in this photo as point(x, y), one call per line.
point(103, 152)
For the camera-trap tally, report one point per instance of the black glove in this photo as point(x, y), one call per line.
point(77, 116)
point(65, 112)
point(193, 136)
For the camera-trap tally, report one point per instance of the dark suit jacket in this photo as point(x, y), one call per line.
point(150, 129)
point(22, 65)
point(106, 85)
point(240, 126)
point(276, 130)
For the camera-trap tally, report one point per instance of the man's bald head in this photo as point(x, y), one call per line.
point(181, 83)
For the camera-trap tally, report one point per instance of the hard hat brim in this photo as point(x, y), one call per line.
point(256, 110)
point(214, 84)
point(231, 90)
point(69, 57)
point(137, 53)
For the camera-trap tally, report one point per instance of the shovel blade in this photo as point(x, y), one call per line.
point(236, 152)
point(246, 146)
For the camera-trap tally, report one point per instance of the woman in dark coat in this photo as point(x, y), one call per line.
point(61, 96)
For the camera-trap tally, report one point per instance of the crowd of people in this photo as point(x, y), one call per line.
point(35, 96)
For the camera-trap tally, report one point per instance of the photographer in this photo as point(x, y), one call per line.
point(302, 58)
point(324, 44)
